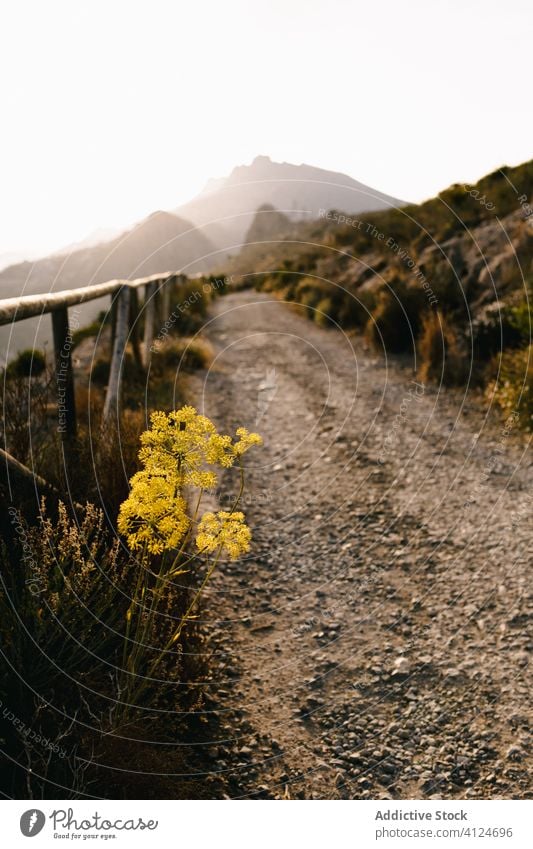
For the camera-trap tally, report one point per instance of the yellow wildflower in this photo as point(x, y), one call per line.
point(225, 531)
point(182, 449)
point(153, 515)
point(246, 440)
point(181, 443)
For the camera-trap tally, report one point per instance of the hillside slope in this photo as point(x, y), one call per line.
point(447, 282)
point(162, 241)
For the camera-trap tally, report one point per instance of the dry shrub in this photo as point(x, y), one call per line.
point(354, 309)
point(307, 294)
point(323, 313)
point(109, 458)
point(442, 359)
point(63, 597)
point(182, 354)
point(189, 302)
point(66, 586)
point(395, 321)
point(89, 403)
point(28, 417)
point(130, 371)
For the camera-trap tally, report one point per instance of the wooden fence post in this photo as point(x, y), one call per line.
point(119, 347)
point(159, 303)
point(167, 287)
point(113, 320)
point(149, 318)
point(66, 400)
point(134, 325)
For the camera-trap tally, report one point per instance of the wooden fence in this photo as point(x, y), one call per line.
point(125, 312)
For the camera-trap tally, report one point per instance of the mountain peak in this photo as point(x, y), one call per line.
point(261, 160)
point(227, 205)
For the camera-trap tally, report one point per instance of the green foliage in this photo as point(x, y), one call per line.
point(520, 318)
point(269, 224)
point(87, 332)
point(494, 330)
point(513, 389)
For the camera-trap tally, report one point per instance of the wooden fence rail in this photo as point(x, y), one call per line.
point(124, 295)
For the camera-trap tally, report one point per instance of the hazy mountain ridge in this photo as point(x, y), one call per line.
point(161, 242)
point(226, 207)
point(217, 218)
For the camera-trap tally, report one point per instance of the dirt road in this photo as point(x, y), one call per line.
point(376, 642)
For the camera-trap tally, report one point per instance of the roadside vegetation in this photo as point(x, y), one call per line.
point(101, 582)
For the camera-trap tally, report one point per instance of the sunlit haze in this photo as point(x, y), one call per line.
point(114, 109)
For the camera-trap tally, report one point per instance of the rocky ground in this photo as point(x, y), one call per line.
point(376, 642)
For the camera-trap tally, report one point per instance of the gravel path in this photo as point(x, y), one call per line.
point(376, 641)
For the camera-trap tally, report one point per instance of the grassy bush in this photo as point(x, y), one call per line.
point(284, 283)
point(189, 303)
point(354, 310)
point(440, 356)
point(396, 319)
point(308, 292)
point(387, 237)
point(98, 466)
point(90, 330)
point(181, 355)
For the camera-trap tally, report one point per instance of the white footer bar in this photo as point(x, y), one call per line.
point(276, 825)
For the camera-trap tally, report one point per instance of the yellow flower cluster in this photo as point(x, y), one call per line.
point(246, 440)
point(177, 452)
point(225, 532)
point(153, 514)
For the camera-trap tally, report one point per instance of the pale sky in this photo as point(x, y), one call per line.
point(111, 110)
